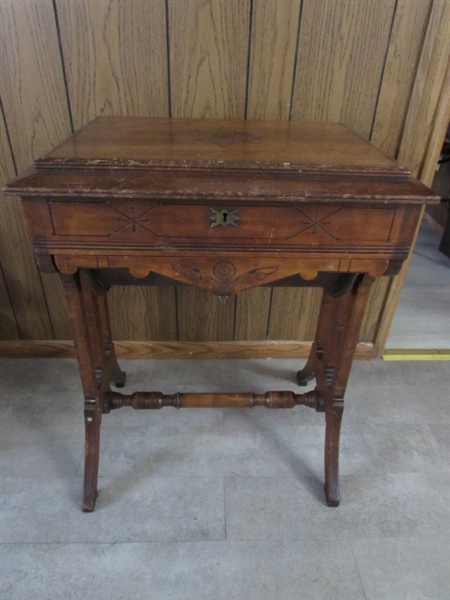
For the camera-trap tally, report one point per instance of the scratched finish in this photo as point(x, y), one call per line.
point(210, 144)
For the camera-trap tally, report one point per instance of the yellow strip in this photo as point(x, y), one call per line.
point(402, 354)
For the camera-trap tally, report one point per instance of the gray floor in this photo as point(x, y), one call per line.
point(219, 504)
point(422, 319)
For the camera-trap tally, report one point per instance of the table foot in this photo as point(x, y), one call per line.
point(118, 378)
point(333, 496)
point(308, 373)
point(88, 504)
point(305, 376)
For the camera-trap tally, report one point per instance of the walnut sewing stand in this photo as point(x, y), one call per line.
point(224, 206)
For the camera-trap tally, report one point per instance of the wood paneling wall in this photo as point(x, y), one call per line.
point(378, 66)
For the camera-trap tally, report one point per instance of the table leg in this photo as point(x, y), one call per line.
point(89, 320)
point(117, 376)
point(336, 340)
point(308, 373)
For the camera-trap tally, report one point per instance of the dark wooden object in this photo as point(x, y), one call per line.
point(224, 206)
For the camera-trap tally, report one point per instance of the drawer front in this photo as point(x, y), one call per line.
point(154, 224)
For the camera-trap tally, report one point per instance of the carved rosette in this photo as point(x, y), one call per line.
point(222, 278)
point(224, 270)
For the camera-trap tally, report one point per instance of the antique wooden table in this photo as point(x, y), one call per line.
point(225, 206)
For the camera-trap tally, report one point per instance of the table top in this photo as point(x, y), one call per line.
point(221, 145)
point(273, 162)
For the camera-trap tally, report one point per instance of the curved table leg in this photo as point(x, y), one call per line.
point(97, 363)
point(337, 337)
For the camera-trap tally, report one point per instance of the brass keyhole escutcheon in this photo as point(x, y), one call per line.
point(224, 218)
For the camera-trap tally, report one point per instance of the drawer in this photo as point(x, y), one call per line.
point(160, 224)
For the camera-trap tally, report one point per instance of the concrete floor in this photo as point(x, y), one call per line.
point(216, 504)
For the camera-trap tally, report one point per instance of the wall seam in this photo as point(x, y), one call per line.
point(375, 110)
point(169, 86)
point(63, 65)
point(8, 137)
point(269, 314)
point(8, 295)
point(249, 50)
point(294, 73)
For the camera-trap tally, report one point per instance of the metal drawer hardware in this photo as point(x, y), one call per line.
point(224, 218)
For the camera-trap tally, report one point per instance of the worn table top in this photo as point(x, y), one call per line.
point(185, 159)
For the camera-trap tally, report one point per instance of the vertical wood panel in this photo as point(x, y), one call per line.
point(115, 58)
point(208, 66)
point(35, 107)
point(252, 314)
point(272, 58)
point(153, 319)
point(377, 299)
point(293, 312)
point(340, 61)
point(408, 32)
point(33, 93)
point(208, 57)
point(56, 305)
point(204, 317)
point(294, 316)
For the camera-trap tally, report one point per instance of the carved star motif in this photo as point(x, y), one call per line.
point(316, 223)
point(134, 220)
